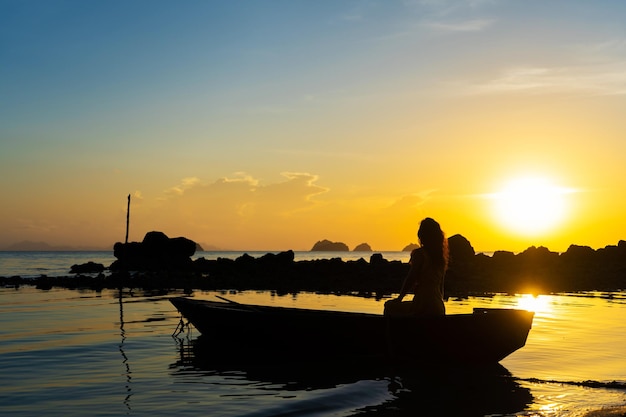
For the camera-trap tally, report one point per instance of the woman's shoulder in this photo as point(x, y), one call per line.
point(417, 254)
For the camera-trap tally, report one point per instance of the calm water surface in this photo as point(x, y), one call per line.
point(58, 263)
point(83, 353)
point(73, 353)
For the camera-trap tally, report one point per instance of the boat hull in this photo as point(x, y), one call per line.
point(486, 336)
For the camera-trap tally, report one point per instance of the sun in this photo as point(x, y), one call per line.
point(530, 205)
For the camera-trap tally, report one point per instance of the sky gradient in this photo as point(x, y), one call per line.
point(270, 125)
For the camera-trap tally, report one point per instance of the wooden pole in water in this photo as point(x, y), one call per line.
point(127, 218)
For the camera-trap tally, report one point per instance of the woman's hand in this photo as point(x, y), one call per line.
point(396, 300)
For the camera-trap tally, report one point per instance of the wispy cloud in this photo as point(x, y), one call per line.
point(596, 80)
point(594, 68)
point(447, 7)
point(411, 201)
point(185, 184)
point(473, 25)
point(242, 177)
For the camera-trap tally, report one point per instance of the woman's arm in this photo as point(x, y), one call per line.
point(417, 258)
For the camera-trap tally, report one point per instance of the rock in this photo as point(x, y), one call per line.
point(277, 259)
point(363, 247)
point(87, 268)
point(377, 259)
point(460, 249)
point(579, 255)
point(156, 252)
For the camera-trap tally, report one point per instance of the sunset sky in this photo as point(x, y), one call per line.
point(270, 125)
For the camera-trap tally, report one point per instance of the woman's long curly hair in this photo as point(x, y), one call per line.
point(434, 242)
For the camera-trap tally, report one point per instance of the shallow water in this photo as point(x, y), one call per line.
point(67, 352)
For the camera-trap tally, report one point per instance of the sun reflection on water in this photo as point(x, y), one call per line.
point(536, 303)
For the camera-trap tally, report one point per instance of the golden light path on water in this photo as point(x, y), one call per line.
point(536, 303)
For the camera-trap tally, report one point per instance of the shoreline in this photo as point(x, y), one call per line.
point(534, 271)
point(187, 282)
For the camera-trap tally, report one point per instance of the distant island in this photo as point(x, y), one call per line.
point(410, 247)
point(328, 246)
point(363, 247)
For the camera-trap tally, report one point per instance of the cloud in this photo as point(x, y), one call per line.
point(241, 177)
point(448, 7)
point(241, 212)
point(410, 201)
point(241, 198)
point(290, 196)
point(185, 184)
point(596, 80)
point(442, 17)
point(474, 25)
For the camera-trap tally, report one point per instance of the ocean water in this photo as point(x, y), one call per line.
point(110, 353)
point(58, 263)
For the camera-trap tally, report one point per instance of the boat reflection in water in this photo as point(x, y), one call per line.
point(373, 387)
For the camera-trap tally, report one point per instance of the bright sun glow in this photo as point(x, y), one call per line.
point(538, 304)
point(530, 206)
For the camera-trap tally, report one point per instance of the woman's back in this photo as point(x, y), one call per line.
point(428, 297)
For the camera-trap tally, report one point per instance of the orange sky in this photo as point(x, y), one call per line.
point(270, 127)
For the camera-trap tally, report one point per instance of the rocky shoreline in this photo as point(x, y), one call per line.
point(536, 270)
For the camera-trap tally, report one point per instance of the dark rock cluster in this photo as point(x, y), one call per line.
point(87, 268)
point(156, 252)
point(536, 269)
point(162, 263)
point(281, 273)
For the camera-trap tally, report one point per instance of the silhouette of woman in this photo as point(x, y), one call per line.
point(425, 278)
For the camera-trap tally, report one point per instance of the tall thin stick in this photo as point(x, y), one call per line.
point(127, 218)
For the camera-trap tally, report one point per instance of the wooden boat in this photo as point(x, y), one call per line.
point(486, 336)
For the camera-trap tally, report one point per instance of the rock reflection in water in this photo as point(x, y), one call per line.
point(439, 390)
